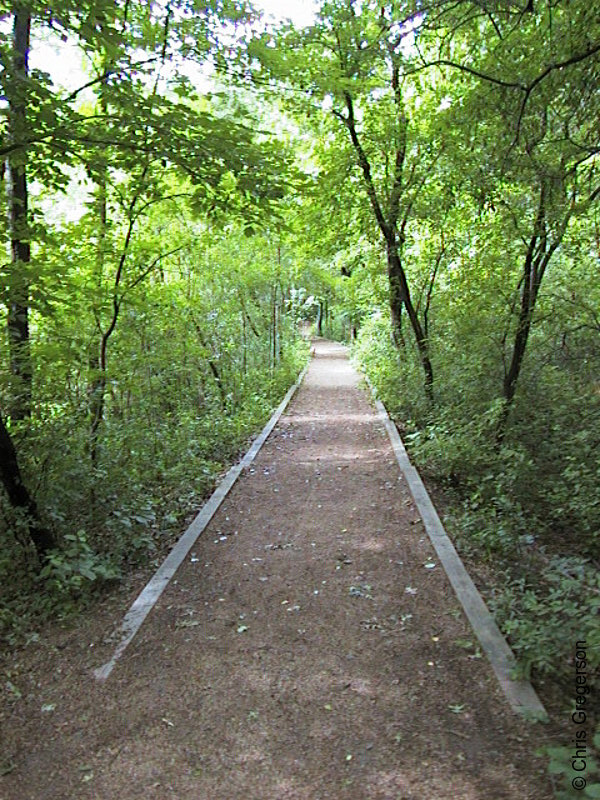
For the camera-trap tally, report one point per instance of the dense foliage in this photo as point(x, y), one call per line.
point(147, 292)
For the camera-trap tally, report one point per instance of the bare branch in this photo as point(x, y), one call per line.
point(144, 274)
point(444, 62)
point(107, 73)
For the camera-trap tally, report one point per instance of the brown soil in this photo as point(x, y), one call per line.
point(304, 651)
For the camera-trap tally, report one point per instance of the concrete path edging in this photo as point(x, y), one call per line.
point(148, 597)
point(520, 693)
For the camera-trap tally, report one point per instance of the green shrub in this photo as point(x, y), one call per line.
point(70, 570)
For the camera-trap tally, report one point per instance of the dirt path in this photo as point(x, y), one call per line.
point(307, 649)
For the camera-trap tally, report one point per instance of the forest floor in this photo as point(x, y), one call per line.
point(303, 651)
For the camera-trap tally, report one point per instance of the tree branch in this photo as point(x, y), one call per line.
point(350, 123)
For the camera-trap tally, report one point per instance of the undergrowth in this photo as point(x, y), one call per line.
point(149, 481)
point(530, 507)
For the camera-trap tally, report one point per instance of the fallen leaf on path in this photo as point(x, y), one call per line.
point(410, 590)
point(14, 690)
point(7, 767)
point(187, 623)
point(371, 624)
point(362, 590)
point(466, 644)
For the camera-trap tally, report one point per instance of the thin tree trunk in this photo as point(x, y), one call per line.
point(400, 296)
point(388, 225)
point(530, 282)
point(274, 323)
point(511, 376)
point(10, 475)
point(244, 346)
point(18, 305)
point(430, 287)
point(97, 385)
point(537, 258)
point(396, 302)
point(212, 366)
point(247, 316)
point(519, 347)
point(98, 398)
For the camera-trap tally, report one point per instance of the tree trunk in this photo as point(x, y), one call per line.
point(388, 225)
point(274, 326)
point(400, 296)
point(531, 284)
point(96, 395)
point(18, 496)
point(430, 288)
point(18, 305)
point(539, 253)
point(244, 346)
point(396, 300)
point(511, 376)
point(212, 366)
point(520, 345)
point(97, 383)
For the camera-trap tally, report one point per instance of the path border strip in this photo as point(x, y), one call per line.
point(148, 597)
point(520, 693)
